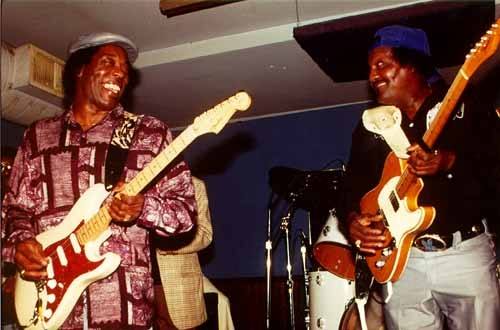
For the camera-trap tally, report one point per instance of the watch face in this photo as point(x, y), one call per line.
point(5, 168)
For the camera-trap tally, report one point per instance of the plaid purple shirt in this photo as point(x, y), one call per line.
point(56, 163)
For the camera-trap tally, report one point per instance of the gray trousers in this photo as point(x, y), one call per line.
point(458, 286)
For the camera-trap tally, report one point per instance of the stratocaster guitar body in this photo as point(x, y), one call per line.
point(403, 220)
point(72, 267)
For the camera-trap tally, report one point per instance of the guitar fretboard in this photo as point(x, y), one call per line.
point(100, 221)
point(449, 102)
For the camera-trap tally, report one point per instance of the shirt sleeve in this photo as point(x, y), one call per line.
point(366, 160)
point(169, 204)
point(19, 203)
point(202, 236)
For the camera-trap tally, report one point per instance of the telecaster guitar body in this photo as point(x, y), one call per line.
point(404, 220)
point(71, 269)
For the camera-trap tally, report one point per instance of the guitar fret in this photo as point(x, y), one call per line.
point(92, 227)
point(151, 170)
point(155, 167)
point(448, 104)
point(152, 173)
point(162, 158)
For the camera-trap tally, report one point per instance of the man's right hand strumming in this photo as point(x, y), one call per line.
point(30, 260)
point(365, 237)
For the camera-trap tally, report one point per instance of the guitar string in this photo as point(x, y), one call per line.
point(165, 153)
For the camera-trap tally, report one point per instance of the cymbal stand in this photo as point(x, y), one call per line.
point(303, 253)
point(269, 247)
point(285, 224)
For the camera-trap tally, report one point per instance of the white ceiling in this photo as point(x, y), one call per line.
point(191, 62)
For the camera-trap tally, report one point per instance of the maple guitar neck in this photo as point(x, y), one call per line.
point(430, 136)
point(100, 221)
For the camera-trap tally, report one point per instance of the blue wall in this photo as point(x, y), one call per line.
point(235, 165)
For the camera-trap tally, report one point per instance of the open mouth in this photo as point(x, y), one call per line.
point(379, 84)
point(113, 88)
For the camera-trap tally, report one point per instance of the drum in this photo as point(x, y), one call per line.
point(333, 252)
point(329, 298)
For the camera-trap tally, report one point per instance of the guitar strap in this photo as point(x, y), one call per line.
point(118, 148)
point(362, 285)
point(386, 121)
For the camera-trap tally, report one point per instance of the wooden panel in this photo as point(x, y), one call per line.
point(247, 297)
point(172, 8)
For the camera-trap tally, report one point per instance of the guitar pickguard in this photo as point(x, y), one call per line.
point(400, 220)
point(71, 268)
point(403, 220)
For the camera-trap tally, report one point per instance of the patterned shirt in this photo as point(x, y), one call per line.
point(56, 163)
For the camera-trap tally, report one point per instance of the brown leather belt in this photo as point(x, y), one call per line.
point(434, 242)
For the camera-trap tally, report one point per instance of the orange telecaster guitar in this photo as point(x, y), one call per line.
point(396, 195)
point(73, 246)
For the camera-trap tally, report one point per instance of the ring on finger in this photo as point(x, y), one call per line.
point(357, 243)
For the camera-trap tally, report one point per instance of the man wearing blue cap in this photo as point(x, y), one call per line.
point(450, 274)
point(94, 141)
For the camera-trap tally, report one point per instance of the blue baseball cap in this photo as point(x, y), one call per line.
point(399, 36)
point(404, 37)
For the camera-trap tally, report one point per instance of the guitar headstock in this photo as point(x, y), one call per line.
point(483, 49)
point(215, 119)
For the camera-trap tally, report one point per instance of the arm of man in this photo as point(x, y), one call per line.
point(168, 206)
point(204, 232)
point(18, 227)
point(363, 172)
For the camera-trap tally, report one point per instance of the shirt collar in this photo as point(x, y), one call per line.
point(114, 114)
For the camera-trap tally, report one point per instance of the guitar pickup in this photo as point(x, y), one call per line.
point(381, 212)
point(394, 201)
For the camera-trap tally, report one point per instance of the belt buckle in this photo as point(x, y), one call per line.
point(430, 243)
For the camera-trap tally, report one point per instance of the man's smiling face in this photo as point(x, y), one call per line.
point(388, 78)
point(104, 79)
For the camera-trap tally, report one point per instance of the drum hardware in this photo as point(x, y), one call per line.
point(268, 247)
point(304, 248)
point(309, 190)
point(285, 222)
point(317, 189)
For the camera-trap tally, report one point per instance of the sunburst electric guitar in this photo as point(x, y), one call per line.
point(73, 246)
point(395, 197)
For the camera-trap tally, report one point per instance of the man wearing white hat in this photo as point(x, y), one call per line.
point(58, 160)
